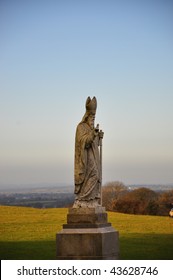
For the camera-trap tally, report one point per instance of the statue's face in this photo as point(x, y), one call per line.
point(90, 121)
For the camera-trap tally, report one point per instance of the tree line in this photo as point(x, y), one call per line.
point(119, 198)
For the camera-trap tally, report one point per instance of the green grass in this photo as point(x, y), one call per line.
point(27, 233)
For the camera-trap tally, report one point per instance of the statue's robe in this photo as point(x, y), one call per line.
point(87, 164)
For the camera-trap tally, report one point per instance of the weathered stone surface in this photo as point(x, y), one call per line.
point(87, 215)
point(88, 159)
point(91, 219)
point(88, 244)
point(87, 211)
point(87, 225)
point(87, 235)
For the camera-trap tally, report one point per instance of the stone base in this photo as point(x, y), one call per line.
point(87, 236)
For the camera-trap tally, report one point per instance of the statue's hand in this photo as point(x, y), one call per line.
point(101, 134)
point(97, 128)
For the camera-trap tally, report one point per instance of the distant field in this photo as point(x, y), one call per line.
point(27, 233)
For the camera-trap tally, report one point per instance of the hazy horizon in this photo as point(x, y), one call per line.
point(54, 54)
point(46, 187)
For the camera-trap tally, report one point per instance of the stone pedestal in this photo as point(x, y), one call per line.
point(87, 236)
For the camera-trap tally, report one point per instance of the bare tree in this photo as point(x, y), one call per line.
point(112, 191)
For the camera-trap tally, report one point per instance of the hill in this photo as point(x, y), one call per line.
point(28, 233)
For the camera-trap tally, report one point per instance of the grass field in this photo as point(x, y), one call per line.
point(27, 233)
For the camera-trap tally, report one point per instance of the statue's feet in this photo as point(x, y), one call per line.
point(93, 203)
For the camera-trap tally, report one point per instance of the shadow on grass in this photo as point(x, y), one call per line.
point(146, 246)
point(132, 247)
point(28, 250)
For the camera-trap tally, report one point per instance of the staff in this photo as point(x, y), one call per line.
point(101, 133)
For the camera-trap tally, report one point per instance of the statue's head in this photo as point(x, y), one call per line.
point(91, 106)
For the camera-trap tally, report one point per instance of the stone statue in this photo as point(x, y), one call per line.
point(88, 235)
point(88, 169)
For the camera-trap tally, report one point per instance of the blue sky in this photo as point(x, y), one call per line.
point(54, 54)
